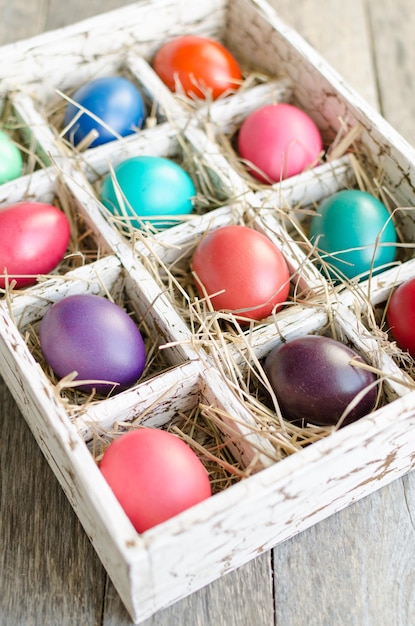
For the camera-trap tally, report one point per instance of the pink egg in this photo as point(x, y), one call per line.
point(96, 338)
point(34, 237)
point(154, 475)
point(279, 141)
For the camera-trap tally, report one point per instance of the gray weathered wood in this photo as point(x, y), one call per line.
point(242, 598)
point(355, 568)
point(393, 27)
point(49, 572)
point(341, 32)
point(59, 14)
point(21, 19)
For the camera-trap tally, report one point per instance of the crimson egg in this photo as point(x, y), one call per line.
point(34, 237)
point(401, 315)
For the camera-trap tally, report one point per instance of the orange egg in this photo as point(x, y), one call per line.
point(201, 67)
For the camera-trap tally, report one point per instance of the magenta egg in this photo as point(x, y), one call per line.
point(278, 141)
point(110, 106)
point(96, 338)
point(34, 237)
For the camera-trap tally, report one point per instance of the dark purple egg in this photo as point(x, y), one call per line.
point(94, 337)
point(314, 381)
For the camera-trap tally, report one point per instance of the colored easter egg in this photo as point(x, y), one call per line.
point(241, 270)
point(198, 66)
point(354, 233)
point(154, 475)
point(34, 237)
point(111, 106)
point(154, 189)
point(315, 380)
point(401, 315)
point(278, 141)
point(11, 160)
point(94, 337)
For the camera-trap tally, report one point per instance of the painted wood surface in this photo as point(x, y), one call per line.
point(355, 568)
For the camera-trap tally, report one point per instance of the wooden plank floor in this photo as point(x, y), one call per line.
point(356, 568)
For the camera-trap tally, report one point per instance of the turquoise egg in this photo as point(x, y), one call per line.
point(154, 189)
point(11, 160)
point(354, 234)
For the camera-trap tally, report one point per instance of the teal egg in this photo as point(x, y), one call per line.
point(153, 189)
point(11, 161)
point(354, 234)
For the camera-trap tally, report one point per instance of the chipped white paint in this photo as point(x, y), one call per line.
point(98, 278)
point(185, 553)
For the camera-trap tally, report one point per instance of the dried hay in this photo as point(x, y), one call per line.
point(221, 338)
point(77, 401)
point(200, 432)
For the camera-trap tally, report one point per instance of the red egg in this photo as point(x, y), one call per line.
point(278, 141)
point(33, 240)
point(154, 475)
point(200, 65)
point(401, 316)
point(242, 271)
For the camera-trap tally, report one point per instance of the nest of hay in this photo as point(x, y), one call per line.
point(220, 337)
point(83, 247)
point(196, 427)
point(54, 111)
point(67, 389)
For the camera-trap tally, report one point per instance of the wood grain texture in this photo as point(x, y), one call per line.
point(241, 598)
point(341, 32)
point(75, 10)
point(393, 27)
point(21, 19)
point(49, 572)
point(355, 568)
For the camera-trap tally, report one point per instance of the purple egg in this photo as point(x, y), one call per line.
point(314, 381)
point(94, 337)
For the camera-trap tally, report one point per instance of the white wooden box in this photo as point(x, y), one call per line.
point(279, 498)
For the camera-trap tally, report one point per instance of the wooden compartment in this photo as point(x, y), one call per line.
point(274, 499)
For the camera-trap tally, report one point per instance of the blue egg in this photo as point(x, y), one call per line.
point(114, 100)
point(151, 188)
point(354, 234)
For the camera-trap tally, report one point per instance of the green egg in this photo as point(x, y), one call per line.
point(153, 189)
point(11, 162)
point(354, 234)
